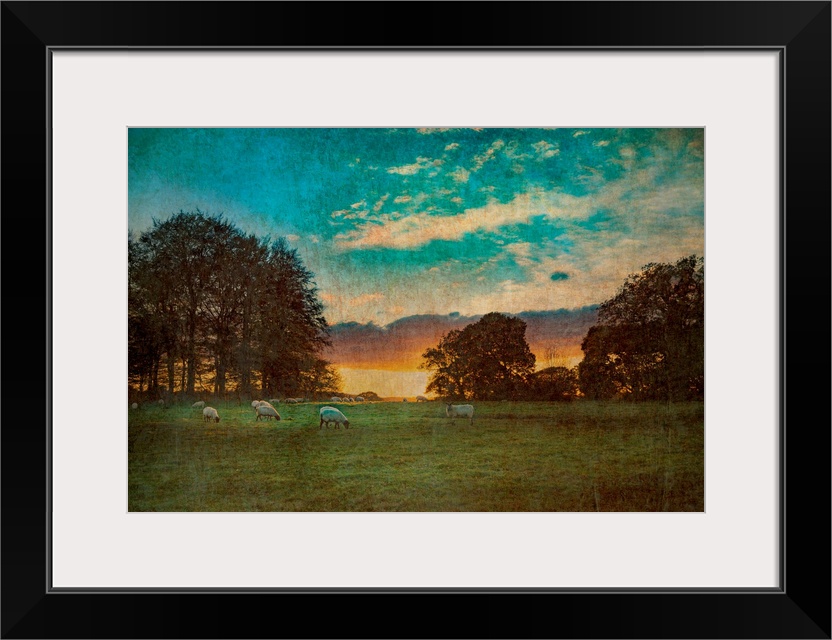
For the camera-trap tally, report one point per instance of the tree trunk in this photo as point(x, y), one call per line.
point(191, 352)
point(171, 373)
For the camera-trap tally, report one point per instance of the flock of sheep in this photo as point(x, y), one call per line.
point(328, 415)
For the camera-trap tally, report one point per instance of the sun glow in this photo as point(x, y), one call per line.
point(384, 382)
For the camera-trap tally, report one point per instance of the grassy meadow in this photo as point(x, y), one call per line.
point(523, 456)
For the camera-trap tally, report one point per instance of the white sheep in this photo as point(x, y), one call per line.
point(459, 411)
point(335, 399)
point(135, 405)
point(268, 411)
point(359, 399)
point(198, 405)
point(291, 400)
point(274, 401)
point(331, 414)
point(209, 413)
point(421, 399)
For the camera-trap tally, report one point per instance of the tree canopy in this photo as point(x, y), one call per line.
point(210, 307)
point(487, 360)
point(649, 342)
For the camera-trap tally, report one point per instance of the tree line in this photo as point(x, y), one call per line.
point(648, 344)
point(213, 310)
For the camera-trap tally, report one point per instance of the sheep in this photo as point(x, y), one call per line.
point(268, 411)
point(460, 411)
point(209, 413)
point(135, 405)
point(291, 400)
point(359, 399)
point(254, 404)
point(198, 405)
point(331, 414)
point(421, 399)
point(274, 401)
point(335, 399)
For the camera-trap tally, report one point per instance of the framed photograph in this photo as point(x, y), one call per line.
point(501, 375)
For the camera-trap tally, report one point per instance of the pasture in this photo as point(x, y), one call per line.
point(517, 456)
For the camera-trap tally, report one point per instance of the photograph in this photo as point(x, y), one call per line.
point(434, 319)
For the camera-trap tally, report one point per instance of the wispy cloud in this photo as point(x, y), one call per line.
point(380, 203)
point(420, 165)
point(419, 229)
point(429, 130)
point(545, 150)
point(460, 174)
point(488, 154)
point(452, 146)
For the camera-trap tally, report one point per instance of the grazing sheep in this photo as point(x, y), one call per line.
point(209, 413)
point(254, 404)
point(266, 410)
point(274, 401)
point(198, 405)
point(335, 399)
point(359, 399)
point(421, 399)
point(135, 405)
point(460, 411)
point(291, 400)
point(331, 414)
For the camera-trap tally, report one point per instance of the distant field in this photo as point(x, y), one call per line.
point(517, 456)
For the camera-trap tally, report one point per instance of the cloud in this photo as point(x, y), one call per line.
point(489, 153)
point(460, 174)
point(292, 237)
point(601, 143)
point(452, 146)
point(380, 203)
point(421, 164)
point(399, 199)
point(429, 130)
point(579, 133)
point(419, 229)
point(545, 150)
point(456, 199)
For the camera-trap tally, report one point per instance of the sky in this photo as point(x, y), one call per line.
point(421, 227)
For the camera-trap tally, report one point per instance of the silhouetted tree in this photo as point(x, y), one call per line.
point(487, 360)
point(553, 383)
point(649, 342)
point(231, 305)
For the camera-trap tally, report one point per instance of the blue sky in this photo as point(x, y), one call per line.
point(400, 222)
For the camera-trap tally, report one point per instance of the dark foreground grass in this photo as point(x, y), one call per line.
point(583, 456)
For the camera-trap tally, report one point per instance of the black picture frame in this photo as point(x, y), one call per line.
point(800, 608)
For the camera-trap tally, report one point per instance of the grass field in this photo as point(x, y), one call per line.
point(523, 456)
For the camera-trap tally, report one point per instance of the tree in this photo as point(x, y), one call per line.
point(229, 306)
point(649, 342)
point(554, 383)
point(487, 360)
